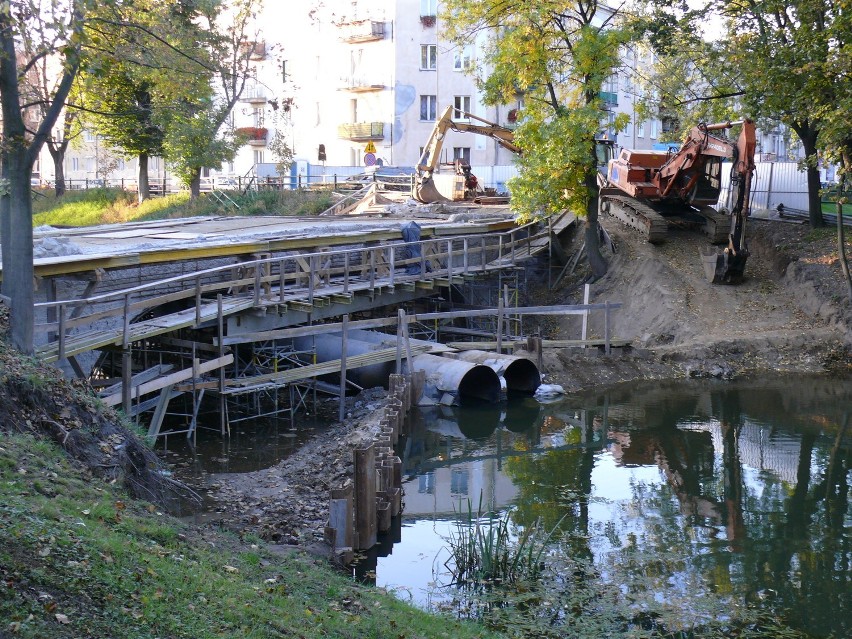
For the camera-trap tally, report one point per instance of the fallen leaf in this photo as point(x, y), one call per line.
point(231, 569)
point(62, 618)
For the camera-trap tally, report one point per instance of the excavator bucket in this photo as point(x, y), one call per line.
point(724, 268)
point(425, 191)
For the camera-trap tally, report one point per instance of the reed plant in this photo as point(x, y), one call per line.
point(484, 550)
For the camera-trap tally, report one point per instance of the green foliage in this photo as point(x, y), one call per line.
point(556, 161)
point(135, 83)
point(555, 56)
point(282, 152)
point(108, 206)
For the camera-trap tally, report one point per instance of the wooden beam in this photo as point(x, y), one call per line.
point(174, 378)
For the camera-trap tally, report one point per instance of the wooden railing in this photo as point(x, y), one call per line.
point(296, 280)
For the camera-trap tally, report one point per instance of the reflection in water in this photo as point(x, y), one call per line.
point(736, 494)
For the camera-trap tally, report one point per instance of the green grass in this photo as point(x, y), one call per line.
point(80, 559)
point(111, 206)
point(831, 207)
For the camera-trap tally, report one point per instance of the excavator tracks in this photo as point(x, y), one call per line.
point(636, 215)
point(717, 226)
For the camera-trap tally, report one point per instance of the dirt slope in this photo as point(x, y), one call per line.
point(789, 314)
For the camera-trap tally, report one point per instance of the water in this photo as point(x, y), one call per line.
point(696, 497)
point(699, 499)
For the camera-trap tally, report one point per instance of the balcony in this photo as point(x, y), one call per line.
point(254, 95)
point(362, 31)
point(360, 85)
point(253, 135)
point(610, 99)
point(256, 50)
point(361, 131)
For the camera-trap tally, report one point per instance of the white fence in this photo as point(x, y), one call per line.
point(774, 183)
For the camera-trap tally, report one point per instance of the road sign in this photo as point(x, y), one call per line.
point(370, 148)
point(369, 159)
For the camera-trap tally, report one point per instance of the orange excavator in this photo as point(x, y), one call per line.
point(648, 189)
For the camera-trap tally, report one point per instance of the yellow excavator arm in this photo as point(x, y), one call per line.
point(424, 189)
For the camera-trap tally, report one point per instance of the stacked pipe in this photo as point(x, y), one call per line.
point(357, 513)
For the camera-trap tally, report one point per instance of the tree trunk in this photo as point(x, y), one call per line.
point(808, 135)
point(18, 248)
point(16, 226)
point(841, 231)
point(144, 184)
point(195, 184)
point(57, 152)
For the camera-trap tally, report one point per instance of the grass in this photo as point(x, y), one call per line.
point(80, 559)
point(111, 206)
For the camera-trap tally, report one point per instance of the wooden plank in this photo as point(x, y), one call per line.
point(172, 379)
point(547, 343)
point(323, 368)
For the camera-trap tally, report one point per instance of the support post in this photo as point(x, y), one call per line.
point(586, 291)
point(126, 361)
point(343, 348)
point(220, 327)
point(606, 327)
point(500, 325)
point(365, 497)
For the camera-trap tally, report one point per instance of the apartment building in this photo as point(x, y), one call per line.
point(353, 83)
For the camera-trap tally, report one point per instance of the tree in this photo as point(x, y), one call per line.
point(772, 62)
point(58, 27)
point(781, 50)
point(555, 56)
point(145, 59)
point(196, 140)
point(836, 134)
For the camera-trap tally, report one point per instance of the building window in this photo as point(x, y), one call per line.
point(258, 117)
point(462, 107)
point(640, 130)
point(75, 164)
point(463, 58)
point(459, 482)
point(654, 125)
point(258, 156)
point(428, 107)
point(462, 153)
point(428, 57)
point(428, 7)
point(426, 483)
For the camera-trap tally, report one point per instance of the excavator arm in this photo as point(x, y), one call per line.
point(424, 189)
point(728, 267)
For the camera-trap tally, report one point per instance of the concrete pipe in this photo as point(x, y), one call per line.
point(450, 380)
point(521, 375)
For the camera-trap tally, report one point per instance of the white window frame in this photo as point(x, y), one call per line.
point(640, 130)
point(428, 7)
point(462, 153)
point(463, 58)
point(429, 107)
point(654, 128)
point(428, 57)
point(461, 103)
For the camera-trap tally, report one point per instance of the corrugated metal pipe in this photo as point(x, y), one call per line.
point(521, 375)
point(447, 380)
